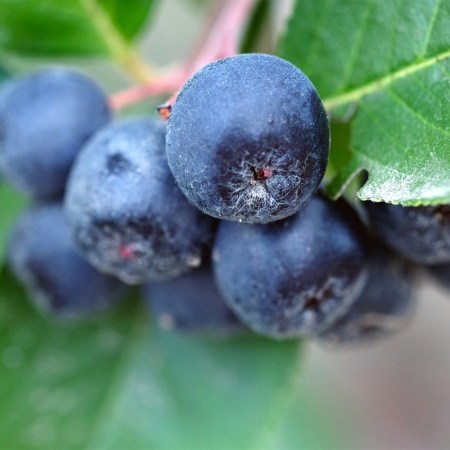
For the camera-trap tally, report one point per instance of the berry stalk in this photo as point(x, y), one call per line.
point(222, 38)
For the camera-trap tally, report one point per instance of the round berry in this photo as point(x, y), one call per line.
point(248, 139)
point(191, 303)
point(126, 212)
point(44, 258)
point(292, 277)
point(384, 307)
point(420, 234)
point(45, 118)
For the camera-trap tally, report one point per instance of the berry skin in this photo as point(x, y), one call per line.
point(293, 277)
point(44, 258)
point(126, 212)
point(420, 234)
point(191, 303)
point(384, 307)
point(45, 118)
point(248, 139)
point(441, 273)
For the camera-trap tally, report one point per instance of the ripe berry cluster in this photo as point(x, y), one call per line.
point(217, 213)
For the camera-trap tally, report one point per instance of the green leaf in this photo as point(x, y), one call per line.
point(70, 28)
point(258, 23)
point(116, 382)
point(340, 154)
point(385, 66)
point(3, 74)
point(11, 203)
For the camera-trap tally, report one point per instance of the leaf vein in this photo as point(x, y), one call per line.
point(116, 378)
point(381, 83)
point(403, 103)
point(377, 123)
point(314, 42)
point(356, 47)
point(434, 15)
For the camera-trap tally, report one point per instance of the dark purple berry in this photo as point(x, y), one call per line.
point(44, 258)
point(126, 212)
point(441, 273)
point(191, 303)
point(420, 234)
point(45, 118)
point(248, 139)
point(292, 277)
point(384, 306)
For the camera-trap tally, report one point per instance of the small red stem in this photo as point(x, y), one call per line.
point(222, 41)
point(135, 94)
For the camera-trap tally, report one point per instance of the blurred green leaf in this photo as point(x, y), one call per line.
point(70, 27)
point(259, 21)
point(386, 65)
point(314, 423)
point(11, 203)
point(3, 74)
point(116, 382)
point(340, 153)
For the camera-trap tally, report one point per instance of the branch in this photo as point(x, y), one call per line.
point(122, 52)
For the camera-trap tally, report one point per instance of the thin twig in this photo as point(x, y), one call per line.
point(225, 29)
